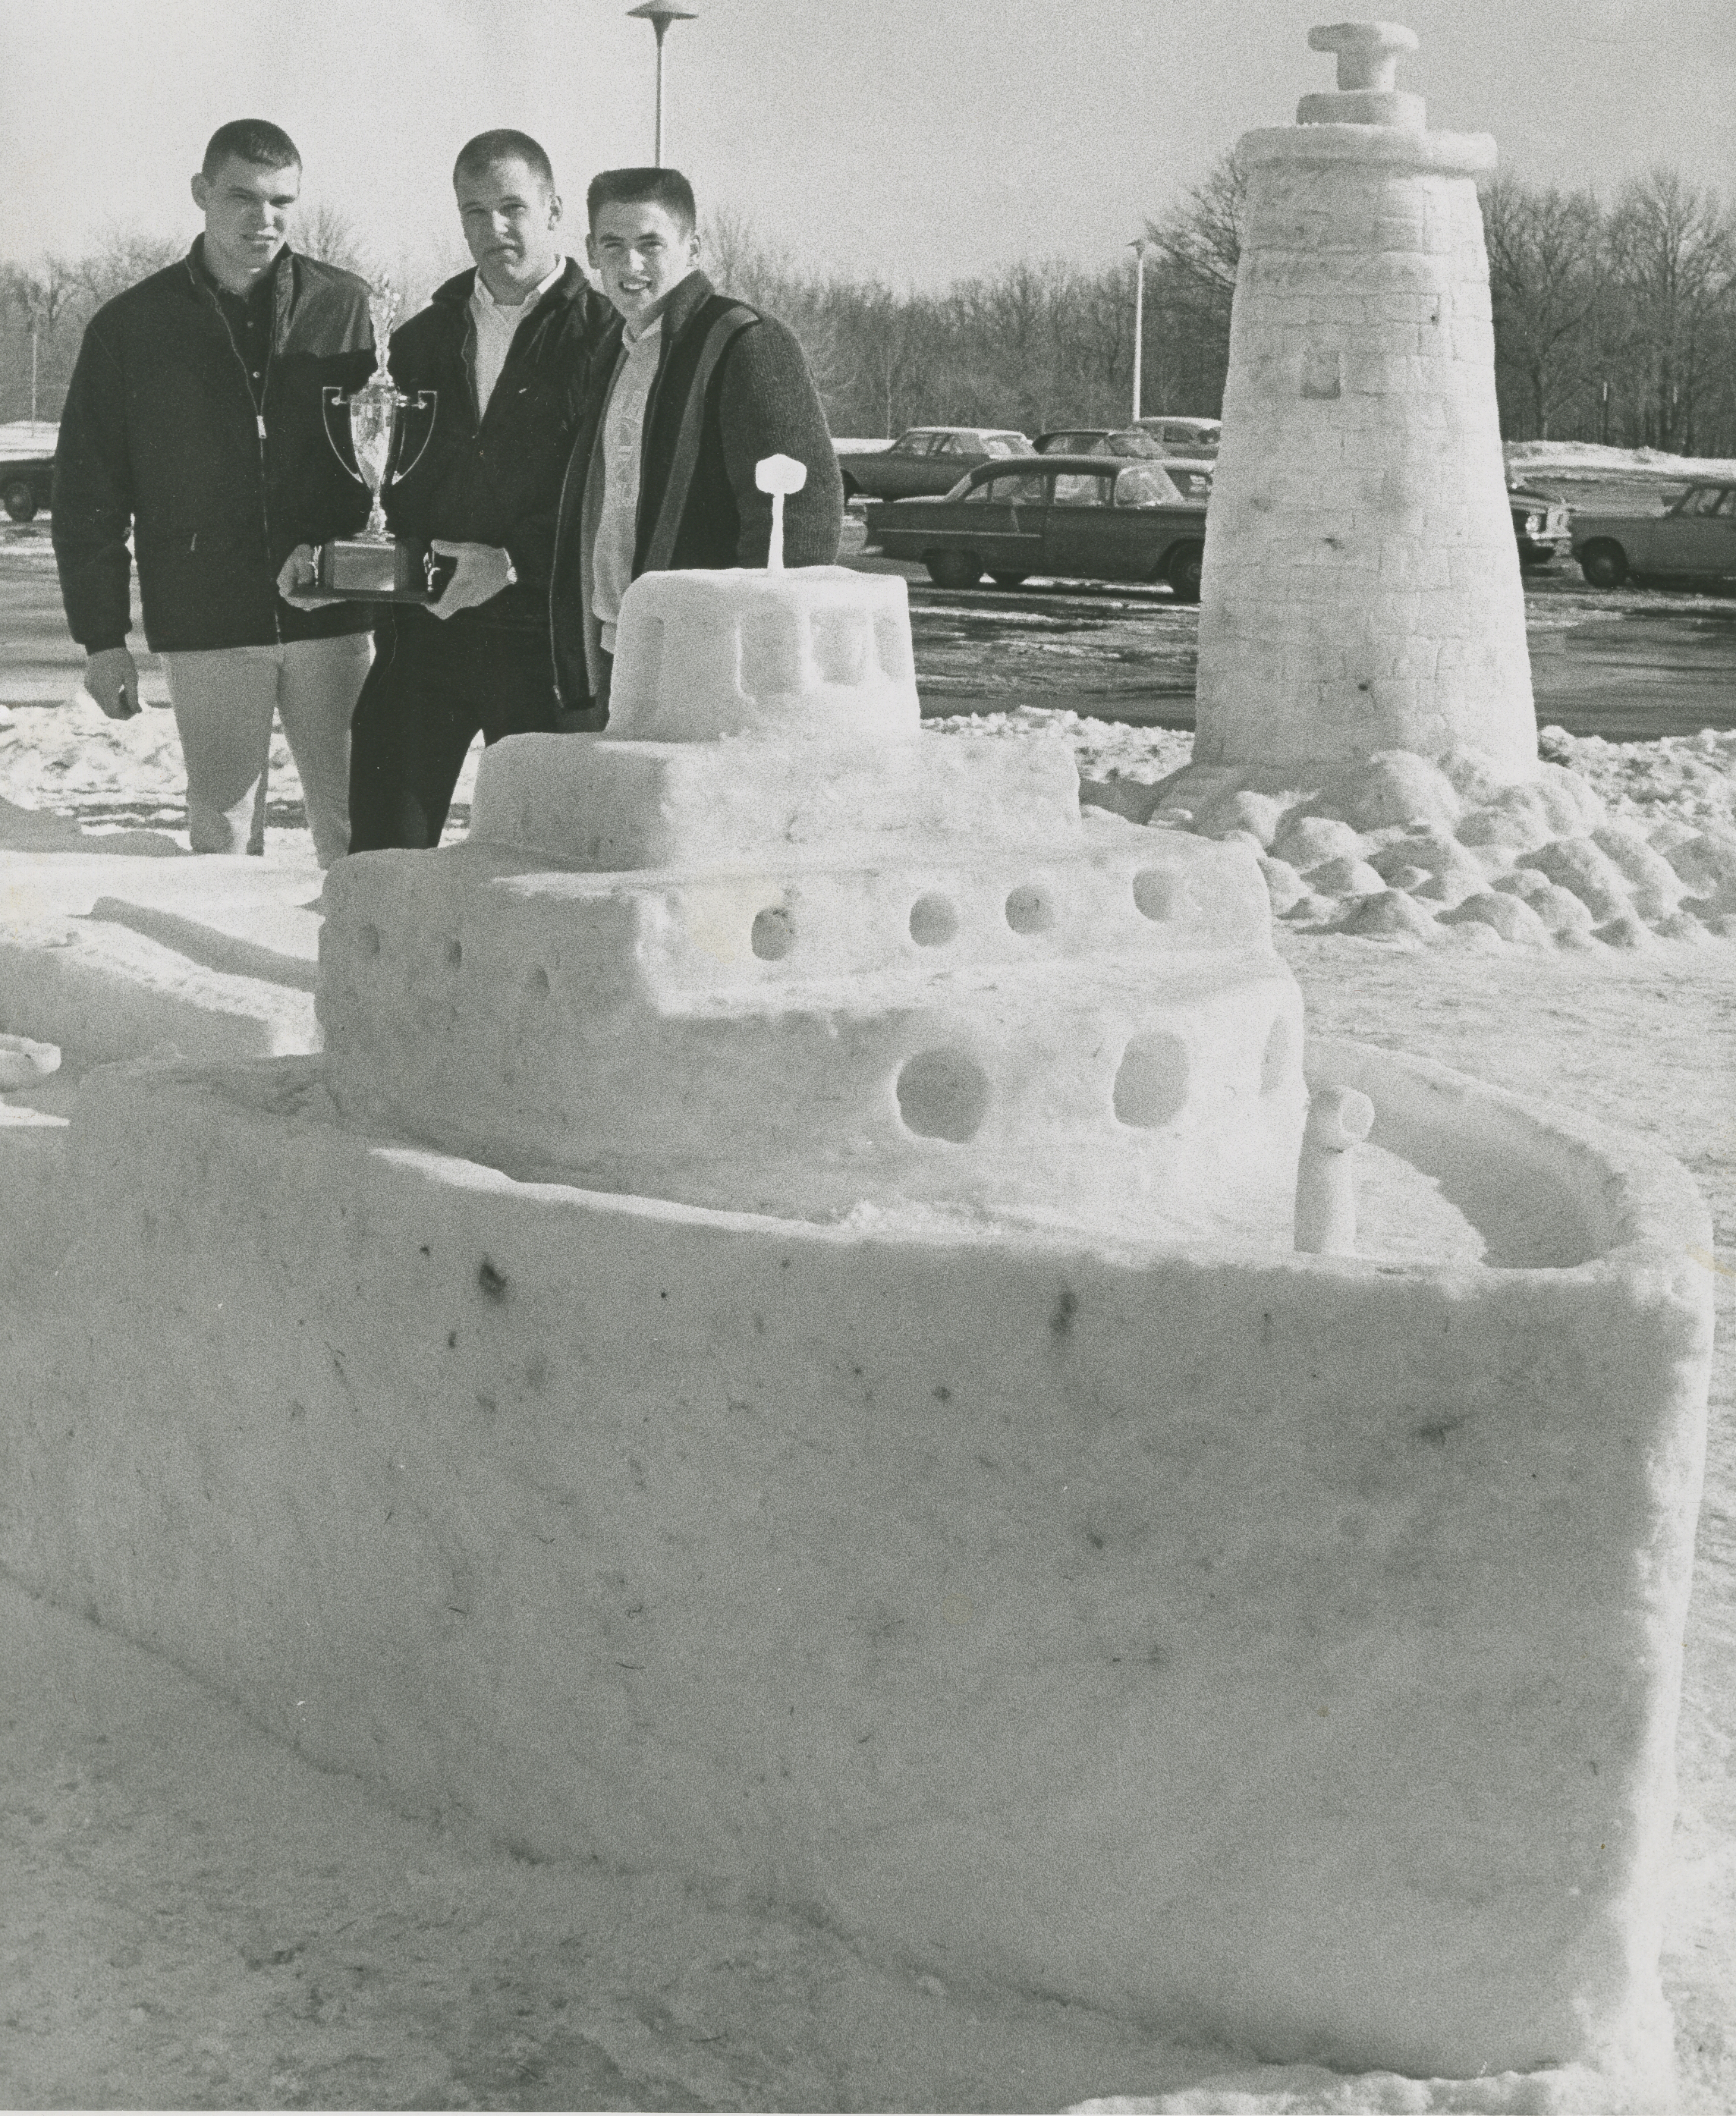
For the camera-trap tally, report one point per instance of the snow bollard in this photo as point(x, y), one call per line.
point(1339, 1120)
point(778, 475)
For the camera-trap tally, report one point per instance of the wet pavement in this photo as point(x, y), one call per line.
point(1626, 665)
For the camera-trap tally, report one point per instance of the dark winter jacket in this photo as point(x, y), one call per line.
point(161, 436)
point(497, 480)
point(732, 386)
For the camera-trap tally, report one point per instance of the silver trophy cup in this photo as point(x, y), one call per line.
point(376, 566)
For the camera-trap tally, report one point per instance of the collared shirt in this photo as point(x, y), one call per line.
point(620, 444)
point(250, 318)
point(497, 323)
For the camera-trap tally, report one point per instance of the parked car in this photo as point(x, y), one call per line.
point(927, 459)
point(1540, 526)
point(1692, 540)
point(1132, 442)
point(26, 483)
point(1183, 437)
point(1089, 518)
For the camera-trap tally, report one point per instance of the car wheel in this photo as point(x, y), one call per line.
point(1182, 573)
point(18, 499)
point(1008, 579)
point(954, 570)
point(1604, 565)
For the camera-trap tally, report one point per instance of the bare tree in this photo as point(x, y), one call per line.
point(122, 257)
point(1545, 257)
point(326, 232)
point(1672, 257)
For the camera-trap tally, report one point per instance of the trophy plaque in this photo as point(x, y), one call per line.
point(375, 565)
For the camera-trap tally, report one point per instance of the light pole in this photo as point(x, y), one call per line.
point(659, 14)
point(1139, 245)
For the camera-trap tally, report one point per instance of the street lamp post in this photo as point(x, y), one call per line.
point(36, 317)
point(1138, 246)
point(659, 14)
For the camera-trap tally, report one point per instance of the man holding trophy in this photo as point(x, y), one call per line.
point(500, 360)
point(192, 423)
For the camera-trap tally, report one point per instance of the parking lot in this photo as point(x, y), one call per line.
point(1625, 663)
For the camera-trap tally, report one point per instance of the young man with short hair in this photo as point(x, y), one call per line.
point(690, 390)
point(506, 348)
point(193, 421)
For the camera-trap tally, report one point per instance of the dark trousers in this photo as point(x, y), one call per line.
point(433, 686)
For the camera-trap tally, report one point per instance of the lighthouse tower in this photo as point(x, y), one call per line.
point(1361, 588)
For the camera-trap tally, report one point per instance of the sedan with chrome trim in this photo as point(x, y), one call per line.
point(1082, 518)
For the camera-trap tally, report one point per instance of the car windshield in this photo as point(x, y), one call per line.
point(1705, 499)
point(1006, 444)
point(1131, 442)
point(913, 444)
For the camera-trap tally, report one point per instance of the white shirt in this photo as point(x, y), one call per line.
point(496, 324)
point(623, 439)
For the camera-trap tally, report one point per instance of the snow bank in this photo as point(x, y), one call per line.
point(1595, 460)
point(1288, 1652)
point(1402, 849)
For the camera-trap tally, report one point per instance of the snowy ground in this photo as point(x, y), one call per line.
point(192, 1916)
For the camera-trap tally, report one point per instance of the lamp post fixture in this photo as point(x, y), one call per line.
point(1139, 245)
point(659, 14)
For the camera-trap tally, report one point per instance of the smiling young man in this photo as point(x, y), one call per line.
point(192, 423)
point(690, 390)
point(506, 349)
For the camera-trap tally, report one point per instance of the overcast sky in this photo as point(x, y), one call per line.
point(917, 141)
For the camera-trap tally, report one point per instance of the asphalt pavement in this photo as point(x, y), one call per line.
point(1625, 665)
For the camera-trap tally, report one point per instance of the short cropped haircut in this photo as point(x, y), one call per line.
point(504, 145)
point(667, 188)
point(254, 140)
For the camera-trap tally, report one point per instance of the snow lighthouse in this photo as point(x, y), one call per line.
point(1362, 589)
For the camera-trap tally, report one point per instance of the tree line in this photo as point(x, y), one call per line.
point(1613, 321)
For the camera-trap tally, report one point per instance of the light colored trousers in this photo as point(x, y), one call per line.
point(224, 699)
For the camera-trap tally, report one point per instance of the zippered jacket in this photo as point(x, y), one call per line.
point(732, 386)
point(496, 479)
point(161, 436)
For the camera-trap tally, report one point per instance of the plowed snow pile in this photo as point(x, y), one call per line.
point(1617, 844)
point(1614, 843)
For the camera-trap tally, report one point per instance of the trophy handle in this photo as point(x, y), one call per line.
point(423, 400)
point(329, 396)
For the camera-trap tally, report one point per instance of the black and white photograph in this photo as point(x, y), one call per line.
point(868, 1056)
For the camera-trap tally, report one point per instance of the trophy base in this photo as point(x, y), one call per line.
point(353, 569)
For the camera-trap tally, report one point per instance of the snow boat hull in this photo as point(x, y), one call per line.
point(1286, 1652)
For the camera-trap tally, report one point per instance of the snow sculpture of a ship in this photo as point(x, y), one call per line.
point(769, 1347)
point(762, 947)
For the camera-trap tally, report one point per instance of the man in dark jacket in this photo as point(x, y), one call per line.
point(506, 349)
point(193, 419)
point(689, 392)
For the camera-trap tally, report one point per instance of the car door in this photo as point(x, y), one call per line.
point(1711, 553)
point(1688, 539)
point(910, 468)
point(1000, 521)
point(954, 455)
point(1081, 535)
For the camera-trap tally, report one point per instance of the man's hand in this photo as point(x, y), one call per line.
point(112, 679)
point(297, 576)
point(483, 570)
